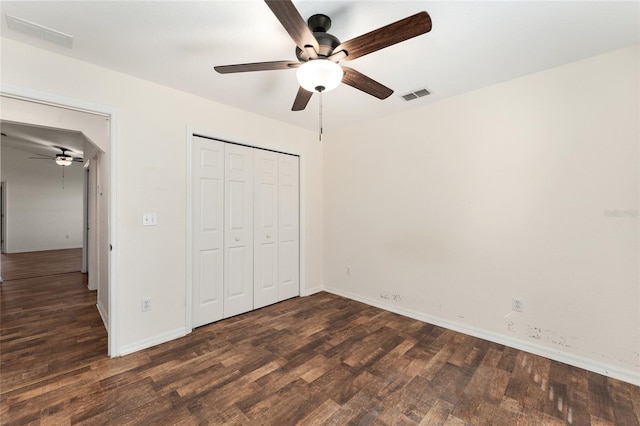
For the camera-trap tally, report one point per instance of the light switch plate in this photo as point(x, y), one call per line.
point(149, 219)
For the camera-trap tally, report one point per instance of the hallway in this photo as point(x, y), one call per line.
point(50, 327)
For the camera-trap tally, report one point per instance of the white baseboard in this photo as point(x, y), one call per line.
point(615, 372)
point(153, 341)
point(310, 291)
point(104, 316)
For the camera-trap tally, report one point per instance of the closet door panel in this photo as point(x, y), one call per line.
point(245, 229)
point(208, 230)
point(238, 237)
point(265, 281)
point(288, 227)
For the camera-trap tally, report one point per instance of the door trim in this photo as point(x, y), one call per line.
point(189, 134)
point(3, 218)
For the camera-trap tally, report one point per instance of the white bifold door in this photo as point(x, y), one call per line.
point(208, 230)
point(245, 252)
point(238, 230)
point(289, 227)
point(276, 227)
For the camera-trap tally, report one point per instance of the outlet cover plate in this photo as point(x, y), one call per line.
point(517, 304)
point(146, 304)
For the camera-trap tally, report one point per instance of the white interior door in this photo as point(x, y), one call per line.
point(288, 226)
point(265, 275)
point(238, 238)
point(2, 225)
point(208, 230)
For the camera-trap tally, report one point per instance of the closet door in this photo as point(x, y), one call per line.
point(288, 226)
point(238, 236)
point(208, 230)
point(265, 276)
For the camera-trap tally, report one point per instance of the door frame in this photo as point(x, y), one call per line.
point(85, 220)
point(3, 218)
point(190, 133)
point(36, 96)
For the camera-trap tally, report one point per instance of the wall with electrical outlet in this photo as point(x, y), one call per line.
point(44, 209)
point(510, 213)
point(150, 155)
point(527, 190)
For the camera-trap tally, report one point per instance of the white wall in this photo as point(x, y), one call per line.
point(447, 212)
point(42, 214)
point(150, 161)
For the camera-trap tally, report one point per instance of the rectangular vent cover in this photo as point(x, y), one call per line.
point(38, 31)
point(416, 94)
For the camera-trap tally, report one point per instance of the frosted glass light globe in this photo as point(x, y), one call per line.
point(64, 160)
point(319, 75)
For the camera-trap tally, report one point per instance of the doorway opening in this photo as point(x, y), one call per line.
point(96, 193)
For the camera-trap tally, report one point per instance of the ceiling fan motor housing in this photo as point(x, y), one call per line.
point(319, 24)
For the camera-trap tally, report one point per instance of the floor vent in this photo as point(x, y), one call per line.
point(415, 95)
point(38, 31)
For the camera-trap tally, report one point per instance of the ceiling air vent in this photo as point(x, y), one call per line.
point(38, 31)
point(415, 95)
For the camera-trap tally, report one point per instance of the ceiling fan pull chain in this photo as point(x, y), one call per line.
point(320, 118)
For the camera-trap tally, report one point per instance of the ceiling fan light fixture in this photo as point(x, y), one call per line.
point(319, 75)
point(63, 160)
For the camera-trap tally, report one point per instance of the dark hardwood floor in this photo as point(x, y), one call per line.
point(40, 263)
point(321, 359)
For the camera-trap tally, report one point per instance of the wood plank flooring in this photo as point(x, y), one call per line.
point(321, 359)
point(40, 263)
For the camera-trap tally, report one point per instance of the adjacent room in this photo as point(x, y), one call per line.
point(312, 212)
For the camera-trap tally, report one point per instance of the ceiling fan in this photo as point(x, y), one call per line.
point(62, 159)
point(319, 52)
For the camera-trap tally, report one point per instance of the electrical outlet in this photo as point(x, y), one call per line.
point(517, 304)
point(146, 304)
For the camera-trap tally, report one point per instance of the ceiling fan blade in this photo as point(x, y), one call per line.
point(360, 81)
point(291, 20)
point(256, 66)
point(386, 36)
point(42, 158)
point(302, 99)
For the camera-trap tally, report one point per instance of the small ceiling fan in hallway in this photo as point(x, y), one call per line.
point(62, 159)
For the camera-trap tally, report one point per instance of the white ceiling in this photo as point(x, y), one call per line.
point(41, 140)
point(473, 44)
